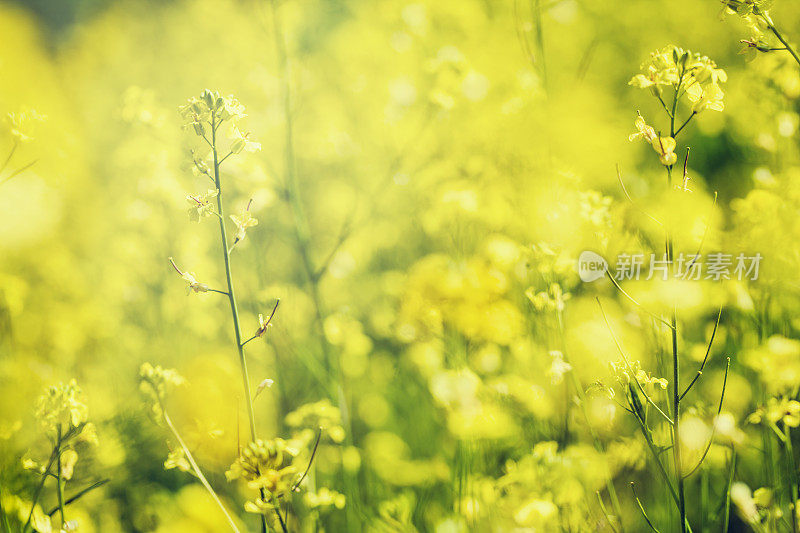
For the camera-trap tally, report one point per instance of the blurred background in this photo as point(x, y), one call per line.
point(452, 160)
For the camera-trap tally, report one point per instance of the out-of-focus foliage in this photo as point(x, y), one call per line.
point(451, 159)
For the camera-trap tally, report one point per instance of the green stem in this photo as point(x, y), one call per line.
point(685, 123)
point(676, 392)
point(78, 495)
point(302, 234)
point(59, 483)
point(232, 296)
point(676, 435)
point(793, 482)
point(780, 37)
point(196, 469)
point(612, 492)
point(39, 488)
point(727, 515)
point(280, 517)
point(229, 278)
point(3, 516)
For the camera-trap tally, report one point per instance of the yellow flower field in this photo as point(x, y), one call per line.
point(399, 266)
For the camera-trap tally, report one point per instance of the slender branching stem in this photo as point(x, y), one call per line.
point(60, 482)
point(714, 426)
point(303, 237)
point(637, 304)
point(705, 359)
point(609, 520)
point(196, 469)
point(78, 495)
point(3, 516)
point(633, 203)
point(296, 486)
point(629, 368)
point(232, 295)
point(676, 395)
point(281, 521)
point(686, 123)
point(641, 510)
point(229, 279)
point(38, 492)
point(768, 20)
point(10, 155)
point(793, 481)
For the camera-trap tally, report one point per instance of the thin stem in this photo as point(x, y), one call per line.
point(196, 469)
point(630, 368)
point(232, 298)
point(664, 105)
point(686, 123)
point(78, 495)
point(793, 482)
point(59, 484)
point(609, 482)
point(278, 513)
point(605, 513)
point(640, 306)
point(10, 155)
point(218, 292)
point(302, 235)
point(39, 488)
point(727, 503)
point(714, 426)
point(676, 398)
point(310, 462)
point(630, 199)
point(229, 278)
point(3, 516)
point(780, 37)
point(705, 359)
point(641, 509)
point(19, 171)
point(676, 413)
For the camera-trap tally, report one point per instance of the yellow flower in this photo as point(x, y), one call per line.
point(665, 147)
point(643, 130)
point(62, 408)
point(705, 97)
point(241, 142)
point(265, 466)
point(190, 279)
point(155, 382)
point(777, 410)
point(177, 459)
point(68, 459)
point(243, 221)
point(201, 206)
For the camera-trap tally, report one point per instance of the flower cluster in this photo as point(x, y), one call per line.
point(322, 414)
point(62, 408)
point(20, 124)
point(206, 113)
point(777, 410)
point(553, 299)
point(201, 206)
point(690, 74)
point(664, 146)
point(266, 466)
point(155, 382)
